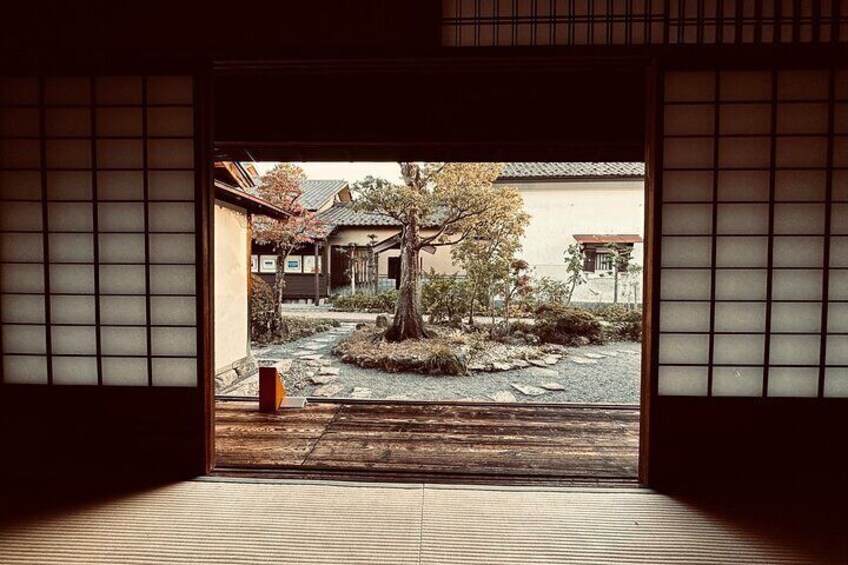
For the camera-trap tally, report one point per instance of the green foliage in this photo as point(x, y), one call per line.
point(446, 298)
point(556, 323)
point(366, 302)
point(625, 323)
point(547, 290)
point(262, 311)
point(574, 264)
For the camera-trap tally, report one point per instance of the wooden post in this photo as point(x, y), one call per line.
point(271, 389)
point(317, 277)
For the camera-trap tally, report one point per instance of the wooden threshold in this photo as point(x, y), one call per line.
point(426, 442)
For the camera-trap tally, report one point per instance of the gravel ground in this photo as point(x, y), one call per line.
point(607, 374)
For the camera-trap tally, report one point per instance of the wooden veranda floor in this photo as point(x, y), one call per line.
point(380, 440)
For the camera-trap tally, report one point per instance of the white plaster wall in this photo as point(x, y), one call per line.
point(231, 293)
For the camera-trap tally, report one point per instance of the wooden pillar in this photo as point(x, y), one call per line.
point(317, 276)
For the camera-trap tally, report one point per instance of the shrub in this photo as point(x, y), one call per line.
point(625, 324)
point(560, 324)
point(261, 308)
point(366, 302)
point(446, 298)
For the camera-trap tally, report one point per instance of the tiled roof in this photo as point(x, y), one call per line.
point(316, 192)
point(571, 170)
point(343, 214)
point(608, 238)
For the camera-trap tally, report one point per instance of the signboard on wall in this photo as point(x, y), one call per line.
point(294, 264)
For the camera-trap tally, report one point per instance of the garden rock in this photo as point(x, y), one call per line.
point(520, 363)
point(594, 355)
point(328, 390)
point(537, 362)
point(329, 371)
point(583, 361)
point(528, 390)
point(553, 386)
point(323, 379)
point(501, 366)
point(382, 321)
point(503, 396)
point(361, 393)
point(540, 372)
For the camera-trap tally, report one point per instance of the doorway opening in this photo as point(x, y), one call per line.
point(532, 366)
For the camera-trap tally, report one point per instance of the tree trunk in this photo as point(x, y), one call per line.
point(408, 322)
point(278, 324)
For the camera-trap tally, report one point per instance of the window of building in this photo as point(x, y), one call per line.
point(267, 263)
point(254, 263)
point(603, 261)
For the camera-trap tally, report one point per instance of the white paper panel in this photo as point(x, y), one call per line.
point(122, 248)
point(837, 350)
point(173, 310)
point(683, 348)
point(124, 371)
point(731, 349)
point(71, 248)
point(839, 251)
point(19, 90)
point(801, 317)
point(119, 122)
point(694, 219)
point(840, 185)
point(19, 154)
point(123, 310)
point(175, 372)
point(795, 349)
point(21, 308)
point(799, 218)
point(24, 369)
point(802, 118)
point(20, 216)
point(75, 279)
point(792, 185)
point(119, 90)
point(170, 185)
point(174, 341)
point(122, 279)
point(74, 370)
point(72, 310)
point(74, 340)
point(121, 216)
point(751, 252)
point(19, 122)
point(172, 248)
point(67, 122)
point(67, 90)
point(796, 284)
point(22, 247)
point(737, 381)
point(743, 185)
point(21, 185)
point(801, 151)
point(687, 153)
point(839, 219)
point(741, 285)
point(119, 154)
point(745, 85)
point(170, 121)
point(685, 284)
point(802, 85)
point(837, 317)
point(120, 185)
point(172, 279)
point(69, 185)
point(745, 118)
point(742, 219)
point(685, 317)
point(171, 216)
point(836, 382)
point(689, 87)
point(686, 251)
point(740, 317)
point(838, 285)
point(799, 252)
point(68, 153)
point(123, 340)
point(840, 151)
point(22, 278)
point(687, 186)
point(840, 118)
point(682, 381)
point(24, 339)
point(69, 217)
point(170, 90)
point(743, 152)
point(793, 382)
point(170, 153)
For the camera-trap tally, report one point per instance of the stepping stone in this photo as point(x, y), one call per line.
point(314, 346)
point(583, 361)
point(520, 363)
point(594, 355)
point(328, 390)
point(329, 371)
point(360, 392)
point(629, 352)
point(311, 363)
point(550, 359)
point(541, 372)
point(399, 397)
point(611, 354)
point(476, 367)
point(302, 352)
point(503, 396)
point(537, 362)
point(501, 366)
point(323, 379)
point(528, 390)
point(311, 357)
point(553, 386)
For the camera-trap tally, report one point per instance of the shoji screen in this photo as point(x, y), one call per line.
point(98, 257)
point(754, 223)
